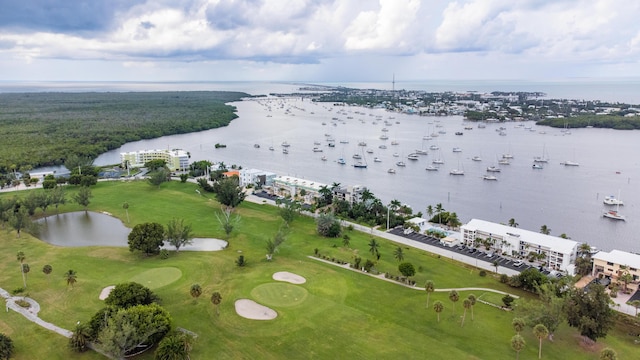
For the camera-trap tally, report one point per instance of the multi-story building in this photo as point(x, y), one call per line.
point(176, 159)
point(305, 190)
point(256, 177)
point(615, 263)
point(553, 252)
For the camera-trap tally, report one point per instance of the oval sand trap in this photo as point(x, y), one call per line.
point(105, 292)
point(289, 277)
point(250, 309)
point(158, 277)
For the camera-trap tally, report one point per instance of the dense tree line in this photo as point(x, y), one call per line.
point(617, 122)
point(38, 129)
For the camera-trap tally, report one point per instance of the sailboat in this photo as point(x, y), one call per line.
point(360, 164)
point(541, 159)
point(614, 214)
point(438, 160)
point(458, 171)
point(570, 162)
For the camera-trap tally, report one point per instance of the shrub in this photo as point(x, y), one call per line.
point(241, 262)
point(17, 291)
point(507, 300)
point(164, 254)
point(23, 303)
point(483, 273)
point(407, 269)
point(368, 265)
point(504, 278)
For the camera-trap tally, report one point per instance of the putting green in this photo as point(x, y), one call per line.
point(279, 294)
point(157, 278)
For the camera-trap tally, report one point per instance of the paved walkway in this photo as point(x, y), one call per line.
point(382, 277)
point(31, 313)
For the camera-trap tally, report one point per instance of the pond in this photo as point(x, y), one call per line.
point(97, 229)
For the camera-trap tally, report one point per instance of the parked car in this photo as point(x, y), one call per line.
point(489, 255)
point(518, 263)
point(472, 250)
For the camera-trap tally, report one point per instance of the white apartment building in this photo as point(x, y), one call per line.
point(256, 177)
point(291, 186)
point(559, 254)
point(176, 159)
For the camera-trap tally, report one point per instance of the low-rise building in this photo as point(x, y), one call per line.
point(302, 189)
point(615, 263)
point(554, 253)
point(176, 159)
point(256, 177)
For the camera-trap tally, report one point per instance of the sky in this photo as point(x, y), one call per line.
point(318, 40)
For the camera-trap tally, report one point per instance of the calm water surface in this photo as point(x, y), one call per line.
point(566, 199)
point(96, 229)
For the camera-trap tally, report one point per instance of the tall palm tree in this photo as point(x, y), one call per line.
point(518, 324)
point(584, 249)
point(517, 344)
point(216, 299)
point(71, 277)
point(125, 206)
point(495, 264)
point(541, 332)
point(513, 223)
point(429, 287)
point(373, 247)
point(454, 297)
point(47, 269)
point(398, 254)
point(439, 210)
point(21, 257)
point(438, 306)
point(430, 211)
point(395, 204)
point(466, 304)
point(195, 291)
point(545, 230)
point(472, 299)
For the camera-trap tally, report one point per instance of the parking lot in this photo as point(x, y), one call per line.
point(472, 255)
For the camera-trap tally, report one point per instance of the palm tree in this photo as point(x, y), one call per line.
point(438, 306)
point(216, 299)
point(584, 249)
point(517, 344)
point(346, 240)
point(373, 247)
point(395, 204)
point(626, 278)
point(125, 206)
point(495, 264)
point(398, 254)
point(472, 299)
point(454, 297)
point(195, 291)
point(175, 346)
point(466, 303)
point(430, 211)
point(429, 287)
point(80, 338)
point(21, 257)
point(439, 210)
point(513, 223)
point(25, 271)
point(564, 236)
point(541, 332)
point(71, 277)
point(518, 324)
point(47, 269)
point(608, 354)
point(545, 230)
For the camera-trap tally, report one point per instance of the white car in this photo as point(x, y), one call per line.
point(518, 263)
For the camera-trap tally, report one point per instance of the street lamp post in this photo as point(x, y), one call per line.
point(388, 218)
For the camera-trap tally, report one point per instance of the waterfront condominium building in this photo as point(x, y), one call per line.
point(616, 263)
point(256, 177)
point(175, 159)
point(552, 252)
point(302, 189)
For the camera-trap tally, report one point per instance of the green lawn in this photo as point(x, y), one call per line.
point(337, 313)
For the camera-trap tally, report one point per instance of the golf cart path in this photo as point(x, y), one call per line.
point(31, 313)
point(381, 277)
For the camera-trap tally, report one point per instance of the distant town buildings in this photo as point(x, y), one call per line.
point(175, 159)
point(615, 263)
point(553, 252)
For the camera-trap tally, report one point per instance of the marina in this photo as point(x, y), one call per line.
point(568, 199)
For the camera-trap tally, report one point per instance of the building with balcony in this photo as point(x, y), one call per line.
point(552, 252)
point(301, 189)
point(176, 159)
point(256, 177)
point(615, 263)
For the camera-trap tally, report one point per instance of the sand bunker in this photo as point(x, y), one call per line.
point(105, 292)
point(289, 277)
point(250, 309)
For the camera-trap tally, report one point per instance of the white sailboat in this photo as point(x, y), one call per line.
point(614, 214)
point(542, 159)
point(458, 171)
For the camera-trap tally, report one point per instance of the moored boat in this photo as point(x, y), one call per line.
point(612, 200)
point(613, 214)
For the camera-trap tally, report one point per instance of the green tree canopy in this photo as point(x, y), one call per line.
point(228, 192)
point(588, 310)
point(130, 294)
point(328, 225)
point(407, 269)
point(146, 237)
point(178, 233)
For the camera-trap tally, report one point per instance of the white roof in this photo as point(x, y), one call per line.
point(553, 242)
point(416, 220)
point(619, 257)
